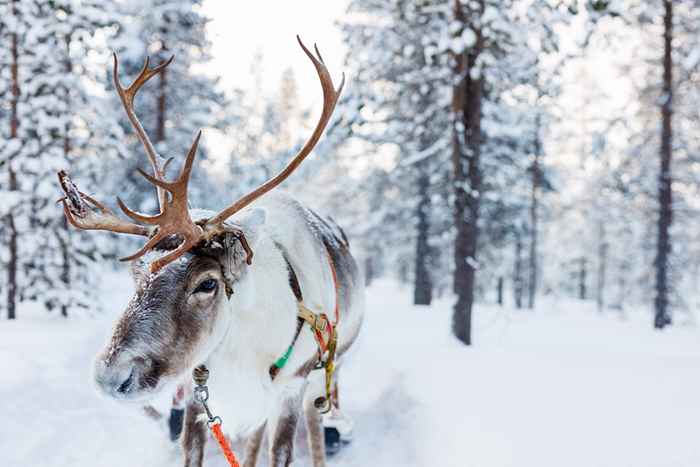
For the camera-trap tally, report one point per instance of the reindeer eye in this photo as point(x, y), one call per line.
point(206, 286)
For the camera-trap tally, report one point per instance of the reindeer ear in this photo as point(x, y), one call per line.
point(251, 223)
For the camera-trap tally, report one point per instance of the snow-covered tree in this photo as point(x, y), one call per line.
point(400, 102)
point(57, 123)
point(178, 102)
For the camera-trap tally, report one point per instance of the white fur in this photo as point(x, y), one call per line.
point(262, 317)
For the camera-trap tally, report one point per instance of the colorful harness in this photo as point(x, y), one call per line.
point(326, 336)
point(323, 330)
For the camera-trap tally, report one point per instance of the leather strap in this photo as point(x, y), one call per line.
point(321, 326)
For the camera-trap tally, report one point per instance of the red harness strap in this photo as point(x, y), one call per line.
point(335, 286)
point(322, 340)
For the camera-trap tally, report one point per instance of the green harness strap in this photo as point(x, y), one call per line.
point(282, 361)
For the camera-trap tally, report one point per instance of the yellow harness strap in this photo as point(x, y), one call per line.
point(321, 327)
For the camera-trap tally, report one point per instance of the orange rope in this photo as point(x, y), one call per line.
point(223, 442)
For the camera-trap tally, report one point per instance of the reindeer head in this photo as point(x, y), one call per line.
point(190, 267)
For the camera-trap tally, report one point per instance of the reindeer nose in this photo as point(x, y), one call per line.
point(118, 379)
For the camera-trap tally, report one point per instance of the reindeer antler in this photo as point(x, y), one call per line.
point(174, 218)
point(330, 98)
point(127, 95)
point(79, 215)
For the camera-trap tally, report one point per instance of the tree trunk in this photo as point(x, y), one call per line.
point(602, 266)
point(466, 144)
point(65, 267)
point(422, 287)
point(161, 105)
point(12, 182)
point(63, 237)
point(518, 272)
point(534, 200)
point(582, 279)
point(499, 291)
point(663, 245)
point(369, 272)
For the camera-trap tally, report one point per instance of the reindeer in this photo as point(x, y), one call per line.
point(203, 298)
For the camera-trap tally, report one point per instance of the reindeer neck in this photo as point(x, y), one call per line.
point(262, 312)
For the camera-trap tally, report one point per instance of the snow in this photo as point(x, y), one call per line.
point(563, 385)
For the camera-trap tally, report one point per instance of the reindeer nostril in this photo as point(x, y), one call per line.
point(124, 387)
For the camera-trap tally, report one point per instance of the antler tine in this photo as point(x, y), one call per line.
point(127, 95)
point(166, 165)
point(184, 177)
point(189, 160)
point(153, 241)
point(183, 248)
point(174, 218)
point(152, 220)
point(330, 98)
point(80, 216)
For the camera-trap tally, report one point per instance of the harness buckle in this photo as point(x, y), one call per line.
point(320, 322)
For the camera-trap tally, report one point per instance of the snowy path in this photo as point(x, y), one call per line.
point(559, 387)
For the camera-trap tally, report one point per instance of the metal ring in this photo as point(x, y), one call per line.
point(214, 420)
point(201, 394)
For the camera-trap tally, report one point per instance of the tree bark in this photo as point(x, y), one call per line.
point(663, 244)
point(63, 237)
point(534, 204)
point(162, 101)
point(12, 182)
point(369, 271)
point(582, 279)
point(518, 272)
point(602, 266)
point(466, 144)
point(65, 267)
point(423, 281)
point(160, 128)
point(499, 291)
point(422, 287)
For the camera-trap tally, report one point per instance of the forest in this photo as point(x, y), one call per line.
point(495, 150)
point(488, 160)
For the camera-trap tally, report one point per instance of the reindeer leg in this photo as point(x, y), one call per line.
point(252, 447)
point(315, 435)
point(194, 435)
point(281, 426)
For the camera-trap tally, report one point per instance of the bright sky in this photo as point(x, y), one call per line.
point(240, 29)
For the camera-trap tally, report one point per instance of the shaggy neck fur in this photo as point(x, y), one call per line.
point(261, 323)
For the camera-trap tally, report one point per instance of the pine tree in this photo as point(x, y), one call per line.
point(55, 129)
point(178, 102)
point(399, 87)
point(663, 245)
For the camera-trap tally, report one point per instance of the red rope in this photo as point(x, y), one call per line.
point(335, 284)
point(223, 442)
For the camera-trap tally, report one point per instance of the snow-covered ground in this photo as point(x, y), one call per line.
point(562, 386)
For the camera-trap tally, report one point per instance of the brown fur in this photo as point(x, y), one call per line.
point(152, 413)
point(282, 439)
point(315, 435)
point(194, 435)
point(252, 447)
point(159, 313)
